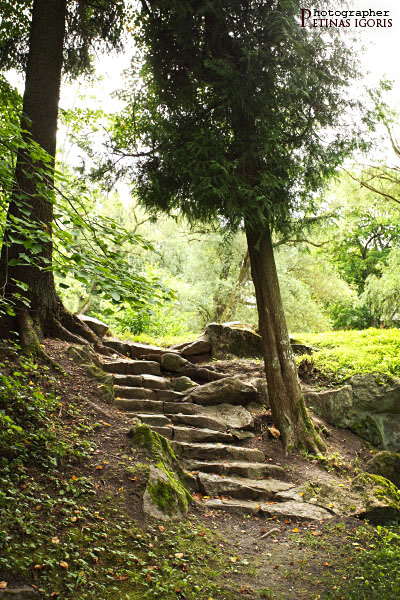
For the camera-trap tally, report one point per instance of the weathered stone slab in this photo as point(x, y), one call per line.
point(216, 452)
point(241, 469)
point(241, 488)
point(299, 511)
point(228, 390)
point(169, 395)
point(155, 382)
point(234, 507)
point(199, 421)
point(171, 361)
point(191, 434)
point(233, 417)
point(156, 420)
point(172, 408)
point(132, 367)
point(200, 346)
point(139, 406)
point(97, 326)
point(134, 393)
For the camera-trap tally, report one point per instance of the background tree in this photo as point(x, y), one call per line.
point(60, 34)
point(234, 101)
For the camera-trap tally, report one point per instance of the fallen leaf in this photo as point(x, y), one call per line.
point(149, 578)
point(63, 564)
point(296, 530)
point(179, 555)
point(3, 585)
point(74, 519)
point(287, 522)
point(55, 540)
point(316, 533)
point(74, 478)
point(161, 528)
point(326, 564)
point(99, 467)
point(202, 533)
point(274, 432)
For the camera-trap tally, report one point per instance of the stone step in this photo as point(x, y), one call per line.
point(148, 406)
point(134, 393)
point(241, 488)
point(139, 406)
point(201, 421)
point(193, 435)
point(296, 511)
point(152, 382)
point(156, 420)
point(216, 452)
point(240, 469)
point(132, 367)
point(139, 393)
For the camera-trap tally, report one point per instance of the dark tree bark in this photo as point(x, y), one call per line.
point(287, 403)
point(46, 315)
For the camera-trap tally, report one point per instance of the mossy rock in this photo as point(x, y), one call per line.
point(386, 464)
point(381, 498)
point(89, 362)
point(166, 495)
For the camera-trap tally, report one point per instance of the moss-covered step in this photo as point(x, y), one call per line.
point(216, 452)
point(240, 469)
point(152, 382)
point(241, 488)
point(132, 367)
point(192, 434)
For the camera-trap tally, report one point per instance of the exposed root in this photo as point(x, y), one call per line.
point(30, 340)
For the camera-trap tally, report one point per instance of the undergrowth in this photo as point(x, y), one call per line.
point(60, 531)
point(341, 354)
point(371, 572)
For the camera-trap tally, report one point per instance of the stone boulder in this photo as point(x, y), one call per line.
point(201, 345)
point(231, 417)
point(173, 362)
point(89, 362)
point(166, 495)
point(164, 498)
point(182, 384)
point(380, 498)
point(229, 390)
point(369, 405)
point(233, 340)
point(97, 326)
point(386, 464)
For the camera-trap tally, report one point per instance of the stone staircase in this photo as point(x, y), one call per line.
point(230, 477)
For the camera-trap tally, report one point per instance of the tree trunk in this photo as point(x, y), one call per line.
point(233, 299)
point(287, 403)
point(33, 194)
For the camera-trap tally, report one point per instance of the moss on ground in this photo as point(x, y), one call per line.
point(341, 354)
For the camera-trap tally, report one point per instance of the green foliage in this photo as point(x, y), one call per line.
point(342, 354)
point(349, 315)
point(222, 114)
point(88, 247)
point(88, 29)
point(382, 294)
point(373, 572)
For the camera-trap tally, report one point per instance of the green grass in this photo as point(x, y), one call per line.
point(342, 354)
point(165, 341)
point(372, 572)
